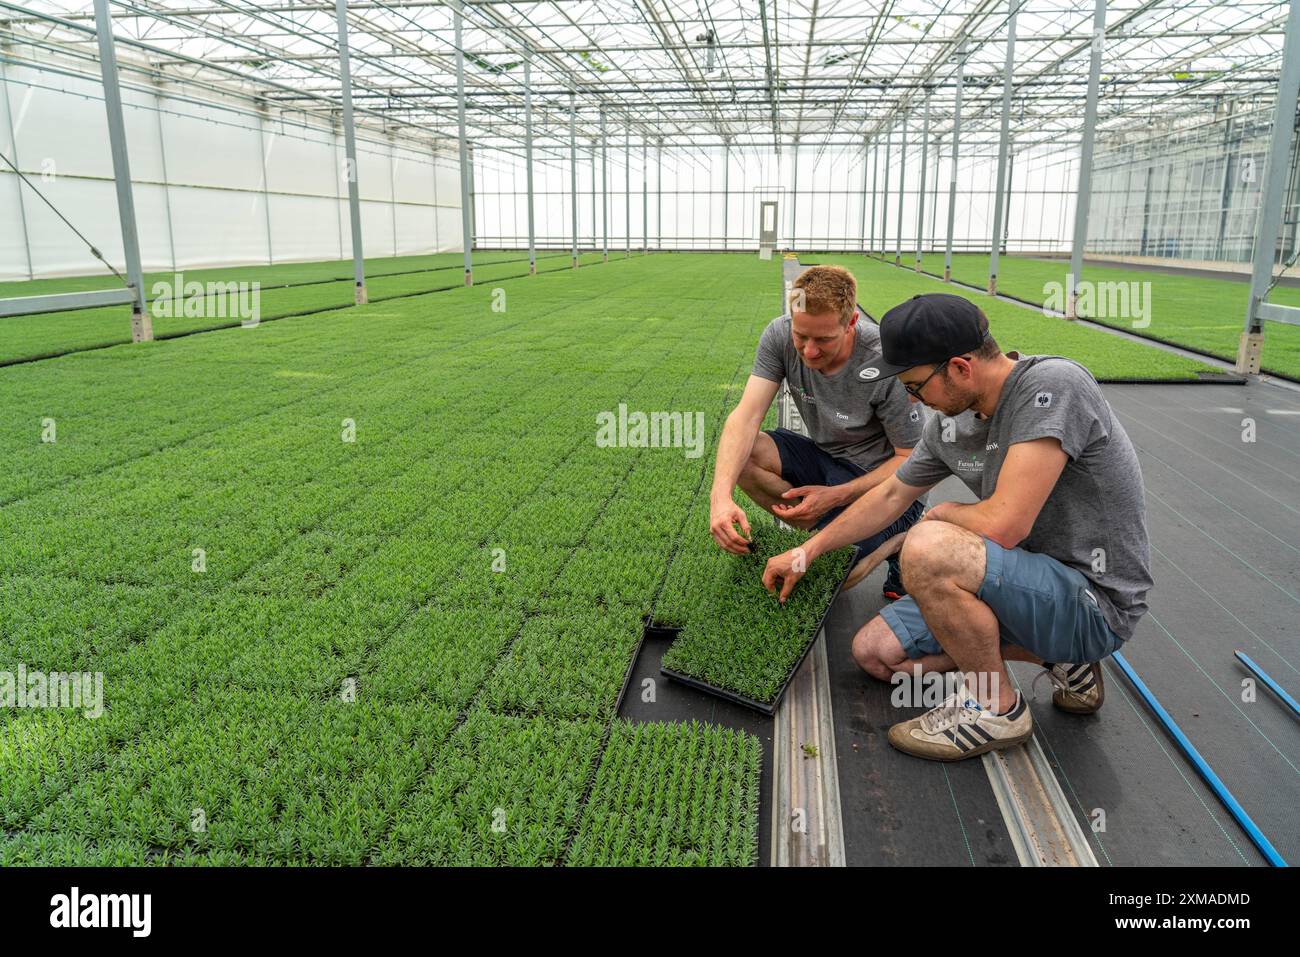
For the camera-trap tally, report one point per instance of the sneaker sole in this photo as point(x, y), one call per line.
point(1063, 704)
point(994, 745)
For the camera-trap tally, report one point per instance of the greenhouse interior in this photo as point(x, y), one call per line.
point(495, 433)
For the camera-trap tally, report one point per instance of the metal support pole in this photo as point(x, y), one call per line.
point(794, 196)
point(920, 194)
point(875, 181)
point(1225, 195)
point(166, 180)
point(473, 198)
point(13, 141)
point(141, 322)
point(573, 171)
point(862, 211)
point(350, 149)
point(528, 162)
point(884, 194)
point(1268, 224)
point(1083, 197)
point(338, 195)
point(627, 188)
point(266, 191)
point(902, 181)
point(645, 199)
point(1003, 142)
point(433, 168)
point(593, 194)
point(604, 189)
point(659, 193)
point(726, 191)
point(1011, 181)
point(952, 182)
point(934, 194)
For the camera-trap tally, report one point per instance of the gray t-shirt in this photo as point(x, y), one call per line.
point(849, 417)
point(1094, 520)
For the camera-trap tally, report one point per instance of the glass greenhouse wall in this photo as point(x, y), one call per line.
point(266, 187)
point(707, 197)
point(1188, 190)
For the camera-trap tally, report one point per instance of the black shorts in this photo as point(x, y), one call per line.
point(804, 462)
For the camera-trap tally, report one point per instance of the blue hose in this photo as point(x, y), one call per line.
point(1206, 772)
point(1276, 688)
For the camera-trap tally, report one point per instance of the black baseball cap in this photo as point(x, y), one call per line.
point(928, 328)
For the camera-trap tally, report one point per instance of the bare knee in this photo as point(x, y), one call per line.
point(938, 553)
point(877, 650)
point(764, 455)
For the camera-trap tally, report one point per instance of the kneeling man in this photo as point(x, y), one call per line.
point(861, 423)
point(1051, 565)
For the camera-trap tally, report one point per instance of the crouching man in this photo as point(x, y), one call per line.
point(1050, 566)
point(861, 424)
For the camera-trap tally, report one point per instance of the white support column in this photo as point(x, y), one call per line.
point(573, 171)
point(627, 188)
point(604, 189)
point(166, 180)
point(266, 185)
point(659, 193)
point(528, 162)
point(902, 182)
point(1003, 143)
point(726, 191)
point(141, 322)
point(952, 181)
point(1268, 225)
point(13, 141)
point(920, 193)
point(350, 150)
point(1083, 197)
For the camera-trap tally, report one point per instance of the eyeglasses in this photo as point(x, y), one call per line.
point(915, 390)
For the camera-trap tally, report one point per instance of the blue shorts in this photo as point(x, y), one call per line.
point(1041, 605)
point(804, 462)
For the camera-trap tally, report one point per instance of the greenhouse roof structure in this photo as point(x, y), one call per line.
point(757, 73)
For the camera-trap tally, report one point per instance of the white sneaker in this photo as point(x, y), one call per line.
point(1077, 689)
point(959, 728)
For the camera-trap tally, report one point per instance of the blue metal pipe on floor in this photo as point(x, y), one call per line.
point(1207, 773)
point(1276, 688)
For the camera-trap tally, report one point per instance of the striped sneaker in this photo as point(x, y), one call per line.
point(1077, 689)
point(959, 728)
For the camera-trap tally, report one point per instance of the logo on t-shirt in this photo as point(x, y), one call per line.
point(1043, 400)
point(915, 415)
point(869, 373)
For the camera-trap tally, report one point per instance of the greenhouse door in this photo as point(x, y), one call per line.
point(766, 229)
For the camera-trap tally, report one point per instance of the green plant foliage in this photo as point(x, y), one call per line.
point(673, 795)
point(567, 665)
point(505, 790)
point(389, 636)
point(735, 634)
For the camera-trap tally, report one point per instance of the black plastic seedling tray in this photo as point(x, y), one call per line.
point(768, 709)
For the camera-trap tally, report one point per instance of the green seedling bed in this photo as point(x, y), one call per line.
point(692, 657)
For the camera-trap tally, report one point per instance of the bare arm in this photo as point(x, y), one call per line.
point(734, 448)
point(1027, 478)
point(864, 518)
